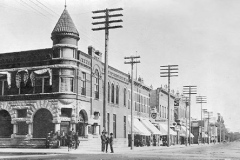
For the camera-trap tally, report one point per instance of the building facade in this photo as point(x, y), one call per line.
point(60, 89)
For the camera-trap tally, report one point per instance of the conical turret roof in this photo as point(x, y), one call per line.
point(65, 25)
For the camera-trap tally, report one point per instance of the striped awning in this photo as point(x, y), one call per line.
point(138, 127)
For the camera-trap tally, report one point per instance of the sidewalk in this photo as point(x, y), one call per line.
point(88, 150)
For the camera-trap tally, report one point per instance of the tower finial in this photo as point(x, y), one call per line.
point(65, 4)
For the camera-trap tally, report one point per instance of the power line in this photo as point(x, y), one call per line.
point(15, 9)
point(48, 8)
point(33, 8)
point(40, 7)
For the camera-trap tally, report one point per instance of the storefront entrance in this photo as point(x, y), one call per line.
point(81, 126)
point(64, 127)
point(42, 123)
point(6, 128)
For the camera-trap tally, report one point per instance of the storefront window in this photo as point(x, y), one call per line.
point(22, 128)
point(114, 125)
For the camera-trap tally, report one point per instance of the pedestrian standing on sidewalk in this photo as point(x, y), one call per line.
point(48, 138)
point(107, 141)
point(103, 140)
point(111, 142)
point(76, 140)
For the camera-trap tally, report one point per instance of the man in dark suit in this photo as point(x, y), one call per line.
point(107, 141)
point(111, 142)
point(103, 140)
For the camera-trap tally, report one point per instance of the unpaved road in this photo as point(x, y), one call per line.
point(226, 151)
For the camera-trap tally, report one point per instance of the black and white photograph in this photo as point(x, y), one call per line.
point(119, 79)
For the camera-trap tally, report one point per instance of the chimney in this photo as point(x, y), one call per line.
point(98, 55)
point(91, 51)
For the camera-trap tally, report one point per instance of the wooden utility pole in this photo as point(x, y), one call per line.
point(201, 99)
point(132, 62)
point(189, 90)
point(169, 71)
point(186, 100)
point(106, 27)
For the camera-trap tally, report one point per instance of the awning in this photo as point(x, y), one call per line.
point(138, 127)
point(150, 126)
point(40, 72)
point(183, 132)
point(205, 135)
point(164, 129)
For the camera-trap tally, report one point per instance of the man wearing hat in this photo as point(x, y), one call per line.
point(103, 140)
point(48, 138)
point(111, 142)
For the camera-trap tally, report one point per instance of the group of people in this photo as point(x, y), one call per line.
point(105, 139)
point(54, 140)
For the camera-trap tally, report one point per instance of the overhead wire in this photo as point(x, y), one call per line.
point(48, 8)
point(41, 7)
point(26, 4)
point(4, 5)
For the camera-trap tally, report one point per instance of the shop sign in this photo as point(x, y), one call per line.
point(154, 115)
point(160, 120)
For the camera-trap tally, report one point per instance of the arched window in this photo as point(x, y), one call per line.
point(117, 94)
point(112, 98)
point(109, 89)
point(96, 84)
point(124, 96)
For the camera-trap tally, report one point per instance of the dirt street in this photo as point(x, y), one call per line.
point(226, 151)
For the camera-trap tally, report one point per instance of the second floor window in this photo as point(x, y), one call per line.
point(117, 94)
point(66, 84)
point(124, 96)
point(96, 84)
point(3, 87)
point(109, 90)
point(112, 98)
point(42, 85)
point(83, 84)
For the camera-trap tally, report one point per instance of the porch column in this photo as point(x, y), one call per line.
point(14, 129)
point(97, 130)
point(86, 131)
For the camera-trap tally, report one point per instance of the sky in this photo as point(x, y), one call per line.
point(201, 36)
